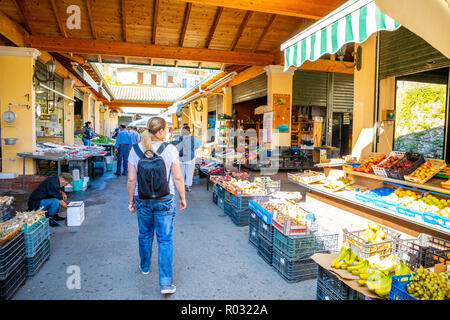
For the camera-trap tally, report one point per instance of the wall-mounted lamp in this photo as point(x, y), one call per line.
point(51, 69)
point(357, 57)
point(102, 109)
point(70, 103)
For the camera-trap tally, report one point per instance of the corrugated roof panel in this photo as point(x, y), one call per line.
point(144, 93)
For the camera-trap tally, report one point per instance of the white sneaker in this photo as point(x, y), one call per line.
point(168, 289)
point(143, 271)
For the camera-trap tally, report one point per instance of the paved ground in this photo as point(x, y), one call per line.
point(212, 257)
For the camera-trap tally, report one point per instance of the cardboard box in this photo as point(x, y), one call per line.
point(75, 213)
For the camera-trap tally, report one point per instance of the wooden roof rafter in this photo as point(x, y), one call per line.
point(187, 13)
point(244, 22)
point(61, 25)
point(214, 26)
point(155, 21)
point(266, 29)
point(123, 8)
point(23, 13)
point(90, 11)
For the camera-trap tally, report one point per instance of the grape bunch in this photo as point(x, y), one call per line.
point(425, 285)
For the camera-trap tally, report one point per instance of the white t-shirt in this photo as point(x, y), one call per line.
point(169, 155)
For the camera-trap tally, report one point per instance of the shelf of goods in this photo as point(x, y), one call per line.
point(411, 203)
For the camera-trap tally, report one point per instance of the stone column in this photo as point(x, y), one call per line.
point(69, 125)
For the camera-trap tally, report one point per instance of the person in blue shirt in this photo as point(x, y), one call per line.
point(116, 132)
point(122, 149)
point(135, 136)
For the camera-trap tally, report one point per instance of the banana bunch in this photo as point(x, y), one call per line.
point(345, 258)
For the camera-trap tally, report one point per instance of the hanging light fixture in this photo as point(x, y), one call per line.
point(357, 57)
point(51, 68)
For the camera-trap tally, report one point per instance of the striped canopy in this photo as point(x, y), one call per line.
point(354, 21)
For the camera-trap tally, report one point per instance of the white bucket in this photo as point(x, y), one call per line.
point(76, 174)
point(75, 213)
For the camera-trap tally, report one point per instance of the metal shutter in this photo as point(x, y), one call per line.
point(403, 52)
point(59, 84)
point(212, 103)
point(250, 89)
point(309, 88)
point(343, 92)
point(78, 94)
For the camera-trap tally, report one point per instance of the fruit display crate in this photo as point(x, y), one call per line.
point(434, 218)
point(265, 250)
point(412, 251)
point(301, 247)
point(383, 202)
point(416, 159)
point(265, 230)
point(5, 213)
point(219, 190)
point(381, 168)
point(11, 284)
point(253, 236)
point(293, 271)
point(331, 284)
point(227, 197)
point(37, 261)
point(254, 205)
point(365, 249)
point(240, 217)
point(288, 228)
point(36, 235)
point(435, 164)
point(220, 203)
point(253, 220)
point(398, 288)
point(10, 253)
point(438, 252)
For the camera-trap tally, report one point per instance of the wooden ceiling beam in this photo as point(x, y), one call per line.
point(155, 21)
point(265, 31)
point(296, 8)
point(23, 12)
point(91, 18)
point(244, 22)
point(61, 25)
point(12, 31)
point(214, 26)
point(124, 20)
point(187, 13)
point(117, 48)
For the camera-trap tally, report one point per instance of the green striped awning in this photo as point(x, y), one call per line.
point(354, 21)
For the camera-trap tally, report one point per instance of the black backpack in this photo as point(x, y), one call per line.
point(152, 182)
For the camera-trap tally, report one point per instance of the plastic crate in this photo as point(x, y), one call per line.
point(36, 235)
point(416, 158)
point(227, 197)
point(366, 249)
point(265, 230)
point(253, 219)
point(259, 210)
point(10, 285)
point(10, 253)
point(220, 203)
point(444, 222)
point(438, 251)
point(37, 261)
point(409, 212)
point(227, 208)
point(240, 217)
point(265, 250)
point(398, 288)
point(382, 171)
point(214, 198)
point(294, 271)
point(219, 190)
point(253, 236)
point(412, 251)
point(324, 293)
point(302, 247)
point(332, 284)
point(289, 229)
point(5, 213)
point(239, 202)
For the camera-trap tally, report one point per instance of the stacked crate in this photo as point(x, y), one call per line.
point(37, 243)
point(12, 266)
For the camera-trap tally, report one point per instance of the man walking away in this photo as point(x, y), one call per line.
point(134, 135)
point(123, 145)
point(186, 146)
point(49, 196)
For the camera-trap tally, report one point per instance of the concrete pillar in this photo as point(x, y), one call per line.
point(387, 102)
point(102, 121)
point(363, 100)
point(107, 123)
point(86, 107)
point(97, 117)
point(227, 102)
point(16, 87)
point(69, 125)
point(205, 120)
point(280, 82)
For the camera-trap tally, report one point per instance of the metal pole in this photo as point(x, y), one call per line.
point(376, 98)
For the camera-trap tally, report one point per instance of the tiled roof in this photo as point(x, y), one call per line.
point(147, 93)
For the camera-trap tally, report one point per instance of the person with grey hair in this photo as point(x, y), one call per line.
point(186, 146)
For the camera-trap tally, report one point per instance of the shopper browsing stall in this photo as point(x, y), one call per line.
point(87, 133)
point(151, 191)
point(122, 149)
point(49, 196)
point(186, 146)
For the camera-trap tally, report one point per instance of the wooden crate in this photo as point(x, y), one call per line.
point(435, 163)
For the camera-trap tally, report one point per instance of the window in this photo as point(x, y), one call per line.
point(184, 83)
point(170, 79)
point(421, 113)
point(153, 79)
point(140, 77)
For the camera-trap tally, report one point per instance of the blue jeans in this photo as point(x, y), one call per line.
point(50, 205)
point(122, 159)
point(156, 215)
point(86, 142)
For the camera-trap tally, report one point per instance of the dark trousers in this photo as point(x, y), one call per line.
point(122, 159)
